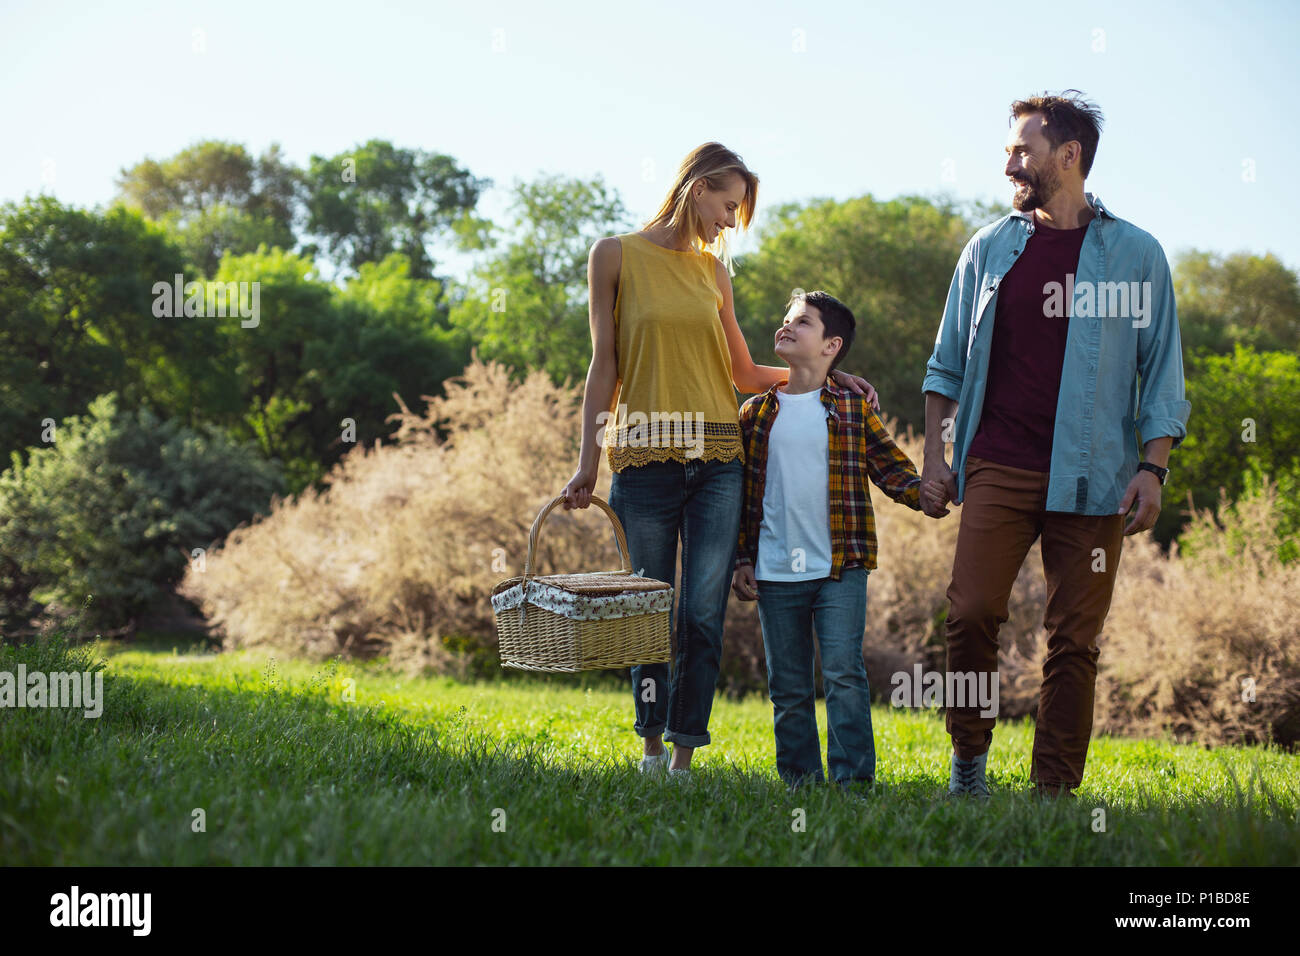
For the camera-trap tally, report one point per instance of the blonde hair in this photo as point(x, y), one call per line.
point(712, 163)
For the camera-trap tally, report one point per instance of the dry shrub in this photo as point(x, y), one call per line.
point(397, 558)
point(1193, 637)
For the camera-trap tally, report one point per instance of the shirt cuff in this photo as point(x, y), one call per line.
point(943, 382)
point(1165, 420)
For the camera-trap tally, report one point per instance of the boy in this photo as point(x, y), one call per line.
point(807, 539)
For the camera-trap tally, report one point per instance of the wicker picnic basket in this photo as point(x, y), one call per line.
point(584, 621)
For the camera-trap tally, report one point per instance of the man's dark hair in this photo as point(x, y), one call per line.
point(1066, 117)
point(836, 319)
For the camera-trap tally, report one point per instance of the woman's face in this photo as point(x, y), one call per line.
point(717, 208)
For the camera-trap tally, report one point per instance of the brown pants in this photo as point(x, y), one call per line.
point(1001, 516)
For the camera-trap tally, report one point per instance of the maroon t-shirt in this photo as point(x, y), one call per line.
point(1026, 354)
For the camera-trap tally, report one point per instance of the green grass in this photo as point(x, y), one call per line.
point(416, 772)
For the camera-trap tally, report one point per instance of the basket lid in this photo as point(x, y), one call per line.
point(592, 597)
point(590, 583)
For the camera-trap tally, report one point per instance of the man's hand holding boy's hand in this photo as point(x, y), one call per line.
point(938, 487)
point(743, 583)
point(934, 496)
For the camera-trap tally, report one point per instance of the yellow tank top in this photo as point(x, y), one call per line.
point(675, 400)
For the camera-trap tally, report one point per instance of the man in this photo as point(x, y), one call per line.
point(1054, 315)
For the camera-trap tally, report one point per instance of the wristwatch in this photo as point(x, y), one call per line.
point(1161, 473)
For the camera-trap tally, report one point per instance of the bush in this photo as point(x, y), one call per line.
point(1245, 415)
point(398, 557)
point(114, 508)
point(1204, 645)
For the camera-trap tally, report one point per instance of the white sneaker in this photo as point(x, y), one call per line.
point(655, 763)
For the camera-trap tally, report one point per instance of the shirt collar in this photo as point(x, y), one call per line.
point(830, 394)
point(1093, 201)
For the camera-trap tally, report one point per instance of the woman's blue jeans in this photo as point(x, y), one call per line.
point(698, 501)
point(788, 610)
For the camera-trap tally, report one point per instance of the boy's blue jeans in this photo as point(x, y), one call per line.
point(787, 611)
point(700, 502)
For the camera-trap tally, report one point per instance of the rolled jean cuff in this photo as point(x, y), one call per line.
point(687, 740)
point(654, 730)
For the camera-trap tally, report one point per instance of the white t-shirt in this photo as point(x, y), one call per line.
point(794, 538)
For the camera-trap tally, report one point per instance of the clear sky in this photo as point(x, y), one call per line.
point(831, 99)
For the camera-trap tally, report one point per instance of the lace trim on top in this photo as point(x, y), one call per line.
point(634, 445)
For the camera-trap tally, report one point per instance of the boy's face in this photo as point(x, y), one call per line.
point(799, 339)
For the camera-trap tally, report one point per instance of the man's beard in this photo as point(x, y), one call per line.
point(1039, 193)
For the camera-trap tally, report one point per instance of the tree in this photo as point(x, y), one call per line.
point(115, 507)
point(1222, 300)
point(377, 199)
point(526, 305)
point(1245, 418)
point(389, 335)
point(216, 198)
point(890, 262)
point(278, 386)
point(76, 291)
point(319, 369)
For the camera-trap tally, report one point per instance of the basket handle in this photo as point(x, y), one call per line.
point(595, 500)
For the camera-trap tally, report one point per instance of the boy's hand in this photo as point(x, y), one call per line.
point(743, 583)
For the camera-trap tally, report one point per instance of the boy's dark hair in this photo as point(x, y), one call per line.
point(836, 319)
point(1065, 117)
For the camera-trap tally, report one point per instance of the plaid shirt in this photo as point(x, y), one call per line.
point(860, 448)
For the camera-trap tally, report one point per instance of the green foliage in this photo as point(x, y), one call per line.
point(1287, 484)
point(76, 293)
point(890, 262)
point(399, 325)
point(377, 199)
point(320, 356)
point(208, 235)
point(1282, 536)
point(116, 505)
point(278, 388)
point(215, 198)
point(1240, 298)
point(1245, 417)
point(526, 305)
point(77, 289)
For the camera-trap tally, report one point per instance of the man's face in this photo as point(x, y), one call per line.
point(1030, 164)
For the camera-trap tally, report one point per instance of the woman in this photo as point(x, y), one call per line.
point(666, 346)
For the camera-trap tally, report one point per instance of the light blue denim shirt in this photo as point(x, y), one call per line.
point(1122, 325)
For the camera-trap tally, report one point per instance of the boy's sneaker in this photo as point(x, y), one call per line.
point(859, 789)
point(967, 777)
point(655, 764)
